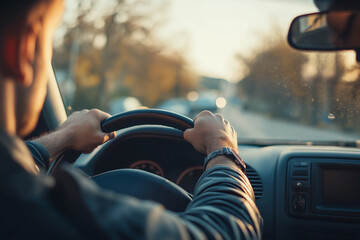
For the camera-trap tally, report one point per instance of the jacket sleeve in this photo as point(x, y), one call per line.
point(224, 205)
point(40, 154)
point(223, 208)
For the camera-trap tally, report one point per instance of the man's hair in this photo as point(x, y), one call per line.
point(325, 5)
point(13, 14)
point(13, 11)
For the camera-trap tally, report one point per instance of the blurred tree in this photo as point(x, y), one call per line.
point(309, 88)
point(109, 51)
point(346, 104)
point(273, 84)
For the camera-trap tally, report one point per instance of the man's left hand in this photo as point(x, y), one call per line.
point(81, 132)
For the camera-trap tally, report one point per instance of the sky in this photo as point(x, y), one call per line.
point(211, 32)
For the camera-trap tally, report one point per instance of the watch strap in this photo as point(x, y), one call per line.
point(229, 153)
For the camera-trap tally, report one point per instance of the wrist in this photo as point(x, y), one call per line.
point(55, 143)
point(221, 161)
point(219, 146)
point(65, 139)
point(226, 153)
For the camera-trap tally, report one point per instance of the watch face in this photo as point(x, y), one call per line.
point(237, 154)
point(235, 157)
point(230, 151)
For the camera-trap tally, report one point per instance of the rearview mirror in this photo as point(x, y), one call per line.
point(334, 30)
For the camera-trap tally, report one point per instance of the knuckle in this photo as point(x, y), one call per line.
point(94, 111)
point(218, 115)
point(76, 113)
point(99, 114)
point(206, 113)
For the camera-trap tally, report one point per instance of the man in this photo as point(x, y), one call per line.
point(343, 24)
point(69, 205)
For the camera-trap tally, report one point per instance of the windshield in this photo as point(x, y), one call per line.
point(226, 56)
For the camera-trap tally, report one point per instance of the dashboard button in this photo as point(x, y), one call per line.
point(299, 184)
point(299, 202)
point(300, 173)
point(301, 164)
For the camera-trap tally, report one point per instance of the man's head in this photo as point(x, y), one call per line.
point(26, 31)
point(343, 20)
point(326, 5)
point(344, 28)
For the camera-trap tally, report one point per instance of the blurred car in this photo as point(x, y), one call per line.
point(204, 102)
point(124, 104)
point(178, 105)
point(207, 100)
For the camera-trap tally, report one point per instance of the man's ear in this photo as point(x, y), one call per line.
point(19, 54)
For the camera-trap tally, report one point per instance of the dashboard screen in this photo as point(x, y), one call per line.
point(341, 187)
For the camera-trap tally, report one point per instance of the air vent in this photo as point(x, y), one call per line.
point(255, 181)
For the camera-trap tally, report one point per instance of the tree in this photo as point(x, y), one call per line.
point(272, 83)
point(112, 53)
point(278, 84)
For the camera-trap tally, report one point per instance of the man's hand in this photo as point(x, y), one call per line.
point(80, 132)
point(212, 132)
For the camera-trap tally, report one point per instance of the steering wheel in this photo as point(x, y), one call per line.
point(138, 183)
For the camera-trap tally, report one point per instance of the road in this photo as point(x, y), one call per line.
point(251, 125)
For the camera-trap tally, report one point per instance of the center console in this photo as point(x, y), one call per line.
point(321, 188)
point(318, 194)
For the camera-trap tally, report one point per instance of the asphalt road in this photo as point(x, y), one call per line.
point(251, 125)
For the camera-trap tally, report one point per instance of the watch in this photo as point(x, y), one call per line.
point(229, 153)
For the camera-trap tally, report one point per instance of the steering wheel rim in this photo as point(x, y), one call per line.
point(167, 190)
point(130, 119)
point(146, 116)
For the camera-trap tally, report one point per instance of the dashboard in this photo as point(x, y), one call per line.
point(309, 192)
point(171, 158)
point(157, 150)
point(302, 192)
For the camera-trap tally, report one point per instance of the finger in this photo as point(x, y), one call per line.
point(207, 113)
point(220, 118)
point(103, 138)
point(203, 113)
point(111, 135)
point(218, 115)
point(233, 130)
point(196, 117)
point(100, 114)
point(108, 136)
point(188, 134)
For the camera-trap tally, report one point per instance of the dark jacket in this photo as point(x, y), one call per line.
point(71, 206)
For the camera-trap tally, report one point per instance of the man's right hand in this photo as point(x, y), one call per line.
point(211, 132)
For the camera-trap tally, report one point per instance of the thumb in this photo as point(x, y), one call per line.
point(189, 134)
point(109, 136)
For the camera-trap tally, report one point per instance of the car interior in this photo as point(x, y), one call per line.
point(304, 188)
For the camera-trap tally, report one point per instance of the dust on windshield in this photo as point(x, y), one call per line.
point(226, 56)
